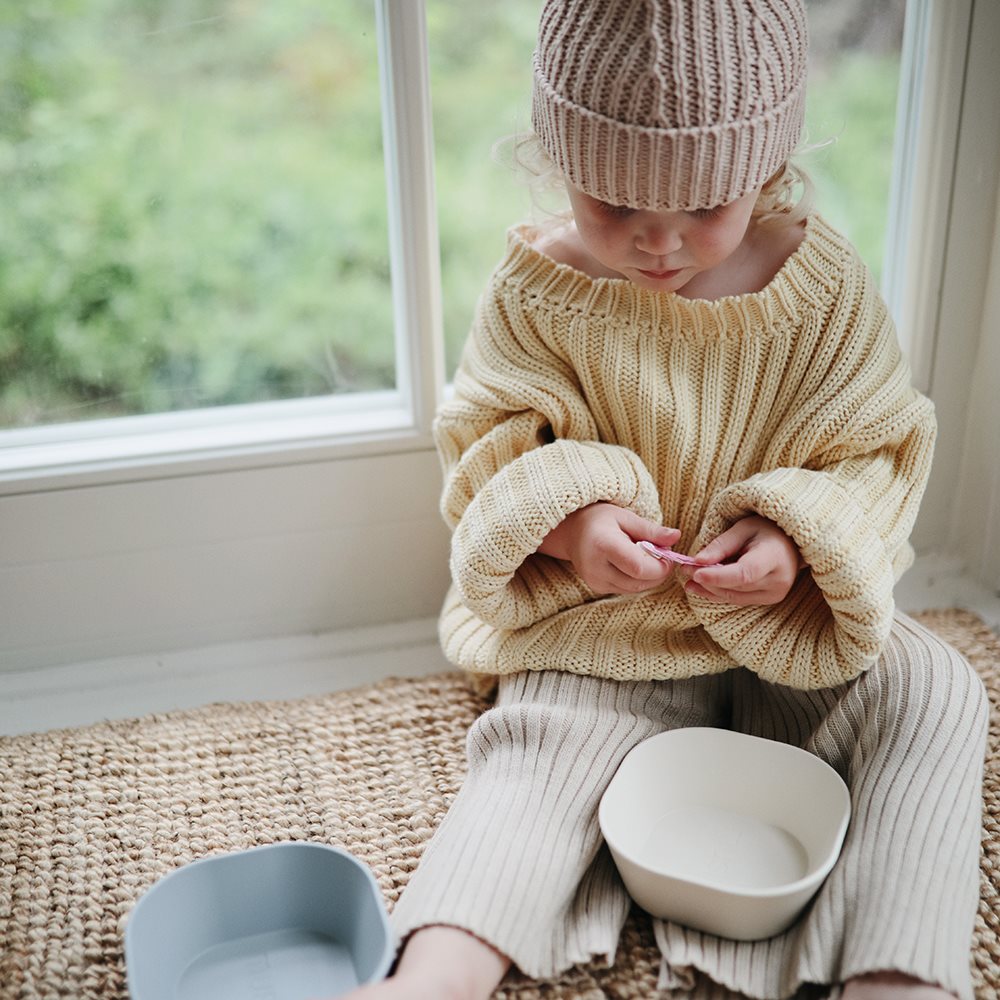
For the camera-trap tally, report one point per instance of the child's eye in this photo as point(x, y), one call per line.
point(616, 211)
point(706, 213)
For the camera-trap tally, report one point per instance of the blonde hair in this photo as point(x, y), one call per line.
point(524, 154)
point(785, 199)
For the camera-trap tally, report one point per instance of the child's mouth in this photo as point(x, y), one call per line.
point(659, 275)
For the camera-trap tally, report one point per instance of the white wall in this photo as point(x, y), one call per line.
point(165, 564)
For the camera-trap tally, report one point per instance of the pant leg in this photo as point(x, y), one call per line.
point(519, 860)
point(909, 739)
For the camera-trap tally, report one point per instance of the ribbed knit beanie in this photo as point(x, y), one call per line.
point(669, 104)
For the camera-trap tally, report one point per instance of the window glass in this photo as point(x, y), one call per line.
point(481, 85)
point(195, 201)
point(480, 55)
point(194, 206)
point(851, 108)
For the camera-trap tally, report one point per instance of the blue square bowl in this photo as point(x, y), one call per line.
point(284, 921)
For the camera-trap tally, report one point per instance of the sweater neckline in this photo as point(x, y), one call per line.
point(807, 278)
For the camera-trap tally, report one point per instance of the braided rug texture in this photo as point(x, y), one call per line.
point(91, 817)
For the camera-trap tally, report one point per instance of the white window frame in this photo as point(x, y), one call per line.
point(152, 534)
point(226, 438)
point(945, 213)
point(932, 81)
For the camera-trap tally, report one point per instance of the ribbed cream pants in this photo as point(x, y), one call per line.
point(520, 862)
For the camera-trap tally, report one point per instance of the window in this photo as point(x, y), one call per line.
point(206, 216)
point(200, 214)
point(854, 70)
point(195, 209)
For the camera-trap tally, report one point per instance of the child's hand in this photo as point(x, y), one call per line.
point(766, 566)
point(599, 541)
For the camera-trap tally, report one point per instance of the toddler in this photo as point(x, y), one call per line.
point(694, 361)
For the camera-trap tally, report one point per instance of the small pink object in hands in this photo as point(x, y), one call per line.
point(670, 556)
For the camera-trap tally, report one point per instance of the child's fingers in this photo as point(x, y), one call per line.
point(753, 579)
point(739, 598)
point(746, 574)
point(730, 543)
point(626, 573)
point(665, 537)
point(624, 583)
point(641, 565)
point(640, 529)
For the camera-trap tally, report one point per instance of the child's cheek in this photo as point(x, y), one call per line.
point(716, 245)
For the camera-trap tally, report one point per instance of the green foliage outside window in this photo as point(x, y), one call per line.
point(193, 207)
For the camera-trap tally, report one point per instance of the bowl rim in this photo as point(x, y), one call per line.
point(812, 878)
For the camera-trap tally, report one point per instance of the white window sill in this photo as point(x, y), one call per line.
point(942, 581)
point(134, 448)
point(264, 669)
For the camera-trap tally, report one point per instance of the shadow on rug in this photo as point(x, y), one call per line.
point(91, 817)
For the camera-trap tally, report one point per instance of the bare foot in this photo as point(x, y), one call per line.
point(440, 963)
point(891, 986)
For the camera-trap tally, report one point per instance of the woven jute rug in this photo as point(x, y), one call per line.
point(91, 817)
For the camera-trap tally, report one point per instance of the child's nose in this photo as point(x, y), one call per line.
point(658, 235)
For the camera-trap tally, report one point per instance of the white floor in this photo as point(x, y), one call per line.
point(297, 666)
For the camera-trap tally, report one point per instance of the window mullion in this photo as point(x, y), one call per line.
point(413, 236)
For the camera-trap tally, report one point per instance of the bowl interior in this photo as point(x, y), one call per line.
point(294, 919)
point(725, 810)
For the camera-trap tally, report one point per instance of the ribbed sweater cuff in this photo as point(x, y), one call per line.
point(493, 561)
point(834, 623)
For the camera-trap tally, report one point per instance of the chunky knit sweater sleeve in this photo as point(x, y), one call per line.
point(793, 403)
point(520, 452)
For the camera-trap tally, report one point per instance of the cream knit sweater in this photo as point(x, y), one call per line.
point(793, 403)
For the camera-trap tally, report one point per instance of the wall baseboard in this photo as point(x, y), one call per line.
point(257, 670)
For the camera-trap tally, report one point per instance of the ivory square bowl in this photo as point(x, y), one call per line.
point(285, 920)
point(724, 832)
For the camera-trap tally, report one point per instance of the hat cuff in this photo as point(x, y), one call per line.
point(700, 167)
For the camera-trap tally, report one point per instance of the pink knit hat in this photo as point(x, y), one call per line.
point(669, 104)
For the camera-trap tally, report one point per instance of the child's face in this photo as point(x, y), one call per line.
point(660, 250)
